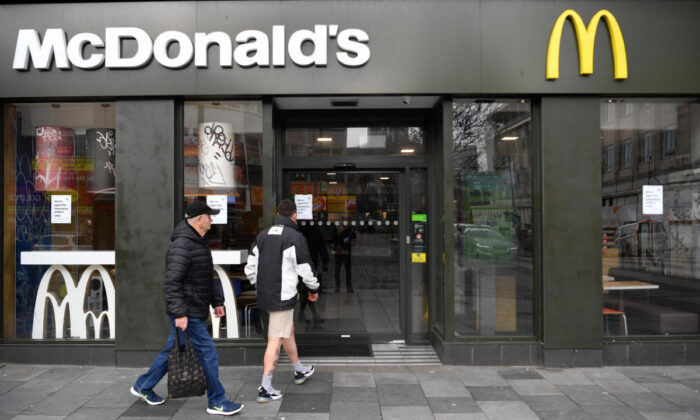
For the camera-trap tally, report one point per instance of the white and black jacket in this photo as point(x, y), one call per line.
point(277, 258)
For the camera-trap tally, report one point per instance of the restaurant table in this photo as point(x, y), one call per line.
point(621, 286)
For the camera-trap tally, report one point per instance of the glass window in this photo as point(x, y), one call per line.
point(59, 191)
point(223, 167)
point(493, 231)
point(351, 141)
point(651, 224)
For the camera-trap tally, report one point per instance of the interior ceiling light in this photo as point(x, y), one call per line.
point(332, 182)
point(384, 178)
point(408, 150)
point(509, 138)
point(324, 139)
point(330, 173)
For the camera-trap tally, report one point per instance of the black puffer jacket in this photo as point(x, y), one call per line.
point(189, 286)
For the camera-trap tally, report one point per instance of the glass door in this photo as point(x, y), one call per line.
point(353, 230)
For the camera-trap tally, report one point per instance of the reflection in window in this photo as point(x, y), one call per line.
point(223, 167)
point(59, 186)
point(328, 141)
point(493, 229)
point(651, 254)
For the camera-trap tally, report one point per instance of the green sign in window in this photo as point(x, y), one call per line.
point(419, 217)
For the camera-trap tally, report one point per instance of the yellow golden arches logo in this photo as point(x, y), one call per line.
point(586, 42)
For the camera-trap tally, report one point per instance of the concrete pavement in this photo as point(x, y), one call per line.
point(369, 392)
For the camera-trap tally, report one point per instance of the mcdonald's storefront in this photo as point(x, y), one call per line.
point(508, 182)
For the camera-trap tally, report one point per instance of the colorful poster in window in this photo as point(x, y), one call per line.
point(53, 168)
point(216, 155)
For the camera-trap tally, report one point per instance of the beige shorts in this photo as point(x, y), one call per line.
point(281, 323)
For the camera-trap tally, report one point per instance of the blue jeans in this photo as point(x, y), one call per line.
point(206, 351)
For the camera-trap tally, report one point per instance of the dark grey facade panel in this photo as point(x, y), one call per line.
point(571, 259)
point(463, 47)
point(144, 221)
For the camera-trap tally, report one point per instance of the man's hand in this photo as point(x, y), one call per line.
point(219, 311)
point(181, 323)
point(312, 296)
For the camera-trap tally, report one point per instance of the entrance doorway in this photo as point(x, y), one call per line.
point(353, 234)
point(364, 175)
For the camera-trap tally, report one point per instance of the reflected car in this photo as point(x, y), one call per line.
point(486, 243)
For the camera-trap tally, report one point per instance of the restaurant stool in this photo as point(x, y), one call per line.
point(608, 311)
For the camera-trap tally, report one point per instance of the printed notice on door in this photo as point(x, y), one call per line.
point(218, 202)
point(304, 204)
point(60, 209)
point(653, 199)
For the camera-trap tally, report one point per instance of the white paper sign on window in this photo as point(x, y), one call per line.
point(218, 202)
point(653, 199)
point(60, 209)
point(304, 204)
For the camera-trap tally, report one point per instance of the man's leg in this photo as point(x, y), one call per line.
point(301, 371)
point(266, 392)
point(278, 321)
point(159, 368)
point(143, 387)
point(272, 355)
point(206, 351)
point(290, 347)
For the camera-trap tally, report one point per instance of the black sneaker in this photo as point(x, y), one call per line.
point(265, 396)
point(301, 377)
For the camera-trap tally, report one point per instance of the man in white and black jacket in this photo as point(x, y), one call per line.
point(278, 257)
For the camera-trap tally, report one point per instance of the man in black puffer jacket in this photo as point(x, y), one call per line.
point(188, 291)
point(279, 256)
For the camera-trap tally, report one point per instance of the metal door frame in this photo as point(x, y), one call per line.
point(404, 165)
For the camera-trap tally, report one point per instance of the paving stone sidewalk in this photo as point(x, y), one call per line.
point(376, 392)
